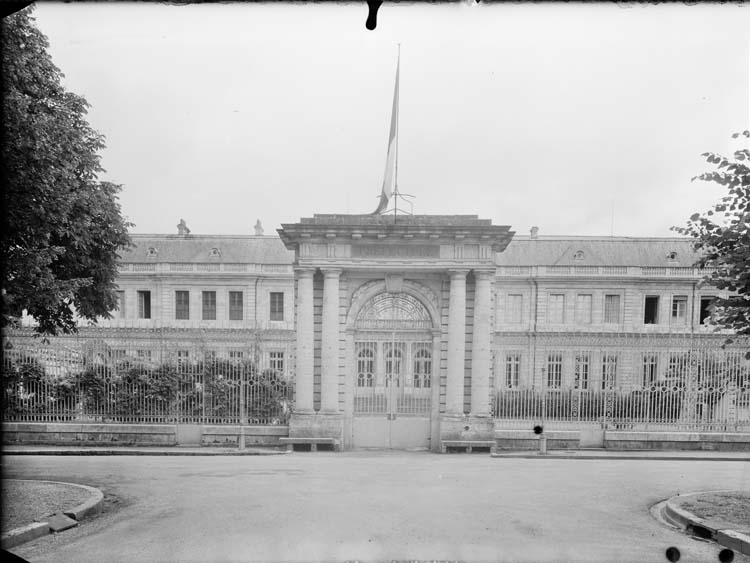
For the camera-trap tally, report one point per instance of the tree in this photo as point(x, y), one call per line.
point(61, 227)
point(722, 237)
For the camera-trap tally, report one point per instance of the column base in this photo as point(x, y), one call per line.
point(316, 425)
point(466, 427)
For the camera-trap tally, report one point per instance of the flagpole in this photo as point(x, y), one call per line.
point(398, 120)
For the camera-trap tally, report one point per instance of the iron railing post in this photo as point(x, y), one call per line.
point(243, 410)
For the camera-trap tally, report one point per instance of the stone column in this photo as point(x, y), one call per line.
point(454, 388)
point(329, 350)
point(305, 359)
point(480, 347)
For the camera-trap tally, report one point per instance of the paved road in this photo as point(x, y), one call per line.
point(375, 506)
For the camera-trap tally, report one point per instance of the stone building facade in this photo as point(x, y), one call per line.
point(398, 331)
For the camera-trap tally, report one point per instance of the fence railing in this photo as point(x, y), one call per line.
point(116, 385)
point(670, 408)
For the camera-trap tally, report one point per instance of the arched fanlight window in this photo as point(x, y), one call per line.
point(393, 310)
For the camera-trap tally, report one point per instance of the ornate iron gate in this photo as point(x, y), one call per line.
point(393, 379)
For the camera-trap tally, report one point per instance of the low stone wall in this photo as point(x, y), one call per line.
point(254, 435)
point(527, 440)
point(718, 441)
point(626, 440)
point(88, 434)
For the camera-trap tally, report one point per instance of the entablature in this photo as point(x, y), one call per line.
point(624, 272)
point(419, 241)
point(202, 268)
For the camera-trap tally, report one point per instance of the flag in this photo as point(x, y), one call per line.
point(389, 178)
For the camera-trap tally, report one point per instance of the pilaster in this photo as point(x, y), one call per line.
point(330, 336)
point(304, 376)
point(480, 348)
point(454, 388)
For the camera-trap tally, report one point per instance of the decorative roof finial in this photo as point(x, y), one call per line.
point(182, 228)
point(258, 228)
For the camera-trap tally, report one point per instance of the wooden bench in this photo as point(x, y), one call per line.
point(312, 442)
point(468, 444)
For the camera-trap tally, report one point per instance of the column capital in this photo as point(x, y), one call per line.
point(331, 272)
point(458, 273)
point(304, 271)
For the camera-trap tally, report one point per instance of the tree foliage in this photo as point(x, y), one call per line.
point(61, 227)
point(722, 237)
point(132, 390)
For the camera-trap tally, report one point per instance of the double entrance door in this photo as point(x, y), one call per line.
point(392, 391)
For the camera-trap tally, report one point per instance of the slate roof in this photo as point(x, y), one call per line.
point(597, 251)
point(522, 251)
point(235, 249)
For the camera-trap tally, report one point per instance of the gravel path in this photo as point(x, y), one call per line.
point(25, 501)
point(725, 510)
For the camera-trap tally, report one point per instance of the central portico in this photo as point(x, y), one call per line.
point(394, 328)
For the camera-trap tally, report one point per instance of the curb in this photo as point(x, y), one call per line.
point(36, 530)
point(24, 534)
point(695, 525)
point(92, 506)
point(141, 453)
point(617, 457)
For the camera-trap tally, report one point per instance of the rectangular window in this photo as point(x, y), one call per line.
point(236, 355)
point(554, 370)
point(650, 363)
point(651, 310)
point(512, 369)
point(120, 304)
point(556, 308)
point(235, 305)
point(582, 371)
point(513, 311)
point(209, 356)
point(277, 306)
point(182, 305)
point(679, 309)
point(583, 309)
point(182, 357)
point(276, 361)
point(118, 354)
point(144, 304)
point(705, 313)
point(209, 305)
point(612, 309)
point(143, 355)
point(609, 371)
point(679, 366)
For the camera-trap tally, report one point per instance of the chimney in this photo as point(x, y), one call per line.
point(534, 232)
point(258, 228)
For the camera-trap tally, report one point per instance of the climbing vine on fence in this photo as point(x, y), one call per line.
point(205, 391)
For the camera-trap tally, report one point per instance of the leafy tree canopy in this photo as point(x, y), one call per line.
point(61, 227)
point(722, 236)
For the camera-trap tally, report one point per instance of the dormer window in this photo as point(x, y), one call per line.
point(215, 253)
point(152, 252)
point(578, 256)
point(672, 256)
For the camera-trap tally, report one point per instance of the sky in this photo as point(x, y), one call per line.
point(581, 119)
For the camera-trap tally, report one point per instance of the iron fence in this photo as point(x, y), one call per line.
point(654, 408)
point(151, 381)
point(638, 381)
